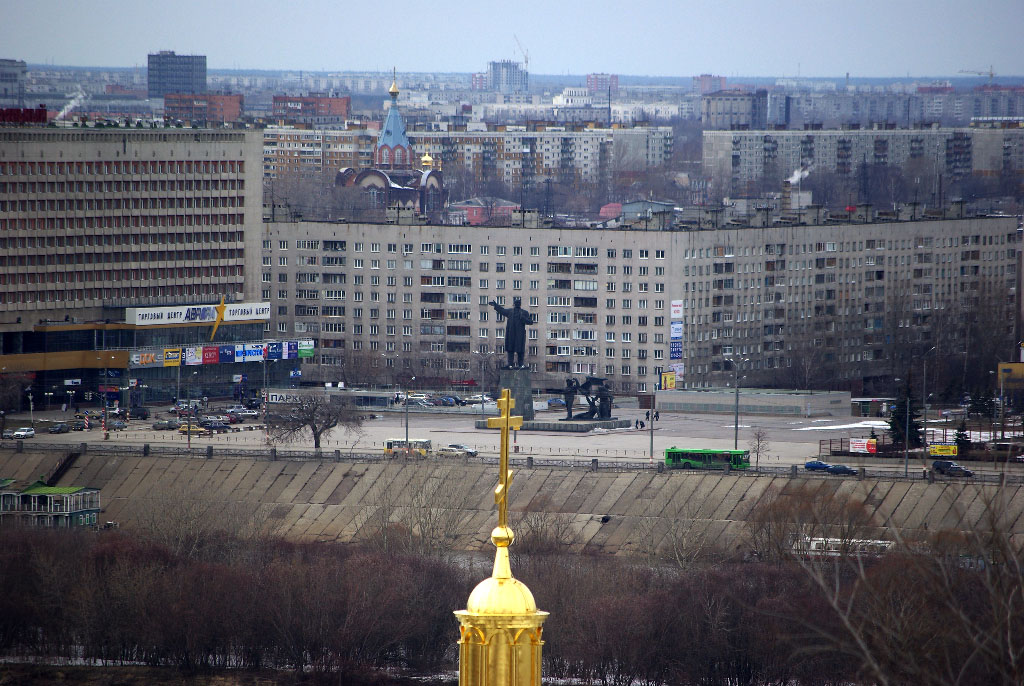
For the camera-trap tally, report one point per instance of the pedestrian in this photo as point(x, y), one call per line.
point(636, 423)
point(647, 416)
point(657, 415)
point(642, 425)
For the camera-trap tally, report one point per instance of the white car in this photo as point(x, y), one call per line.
point(25, 432)
point(246, 413)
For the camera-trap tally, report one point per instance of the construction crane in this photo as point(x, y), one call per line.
point(990, 74)
point(526, 55)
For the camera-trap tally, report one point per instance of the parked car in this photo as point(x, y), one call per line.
point(464, 448)
point(8, 433)
point(556, 403)
point(253, 403)
point(166, 424)
point(139, 413)
point(24, 432)
point(232, 418)
point(78, 425)
point(217, 427)
point(193, 429)
point(841, 470)
point(451, 452)
point(59, 428)
point(116, 425)
point(247, 414)
point(816, 466)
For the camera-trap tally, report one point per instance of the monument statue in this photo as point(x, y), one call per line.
point(599, 398)
point(516, 319)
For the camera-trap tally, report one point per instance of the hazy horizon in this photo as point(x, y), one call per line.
point(733, 38)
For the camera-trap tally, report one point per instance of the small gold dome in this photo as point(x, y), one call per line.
point(501, 597)
point(394, 88)
point(427, 160)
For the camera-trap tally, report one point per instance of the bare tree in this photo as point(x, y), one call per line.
point(314, 415)
point(758, 444)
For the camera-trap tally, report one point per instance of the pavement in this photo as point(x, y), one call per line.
point(790, 440)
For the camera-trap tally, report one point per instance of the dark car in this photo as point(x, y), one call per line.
point(816, 466)
point(958, 470)
point(841, 470)
point(253, 403)
point(950, 468)
point(8, 433)
point(78, 425)
point(166, 424)
point(60, 428)
point(217, 427)
point(140, 413)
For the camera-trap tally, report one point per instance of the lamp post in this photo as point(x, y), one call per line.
point(924, 394)
point(407, 386)
point(906, 432)
point(654, 402)
point(188, 417)
point(1002, 409)
point(736, 411)
point(31, 407)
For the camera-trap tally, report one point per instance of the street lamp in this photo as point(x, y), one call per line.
point(736, 411)
point(654, 402)
point(31, 407)
point(906, 433)
point(407, 414)
point(924, 394)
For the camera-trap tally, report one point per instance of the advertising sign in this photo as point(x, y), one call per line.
point(196, 314)
point(236, 378)
point(1011, 376)
point(676, 331)
point(295, 374)
point(863, 445)
point(226, 354)
point(193, 356)
point(675, 350)
point(249, 352)
point(72, 382)
point(943, 450)
point(676, 309)
point(668, 381)
point(306, 348)
point(291, 350)
point(274, 350)
point(148, 358)
point(172, 357)
point(211, 354)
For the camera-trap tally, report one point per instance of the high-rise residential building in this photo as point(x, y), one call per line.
point(507, 77)
point(603, 84)
point(172, 73)
point(12, 83)
point(734, 110)
point(842, 304)
point(105, 234)
point(211, 108)
point(734, 160)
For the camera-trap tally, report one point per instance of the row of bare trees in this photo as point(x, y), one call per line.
point(942, 609)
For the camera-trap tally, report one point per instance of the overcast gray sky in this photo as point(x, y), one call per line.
point(728, 37)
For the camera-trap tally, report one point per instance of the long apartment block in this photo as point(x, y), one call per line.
point(851, 301)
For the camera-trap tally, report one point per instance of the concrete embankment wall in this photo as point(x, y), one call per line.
point(603, 511)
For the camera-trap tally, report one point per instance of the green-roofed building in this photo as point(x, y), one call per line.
point(48, 506)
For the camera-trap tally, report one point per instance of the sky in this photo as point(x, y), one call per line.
point(866, 38)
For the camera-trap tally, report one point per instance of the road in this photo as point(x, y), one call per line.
point(791, 440)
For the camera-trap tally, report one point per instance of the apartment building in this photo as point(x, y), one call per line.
point(96, 221)
point(203, 108)
point(736, 159)
point(507, 76)
point(511, 154)
point(853, 301)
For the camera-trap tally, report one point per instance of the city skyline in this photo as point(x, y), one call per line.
point(878, 40)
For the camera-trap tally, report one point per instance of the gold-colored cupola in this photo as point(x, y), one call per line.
point(501, 628)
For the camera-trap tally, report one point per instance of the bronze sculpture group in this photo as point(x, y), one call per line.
point(599, 398)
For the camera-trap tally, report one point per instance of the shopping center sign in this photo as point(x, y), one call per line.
point(196, 314)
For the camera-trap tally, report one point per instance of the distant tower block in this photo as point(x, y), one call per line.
point(500, 629)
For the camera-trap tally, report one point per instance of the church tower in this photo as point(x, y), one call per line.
point(393, 151)
point(500, 629)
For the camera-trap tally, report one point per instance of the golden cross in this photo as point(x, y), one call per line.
point(505, 422)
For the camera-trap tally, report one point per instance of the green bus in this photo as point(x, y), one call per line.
point(706, 458)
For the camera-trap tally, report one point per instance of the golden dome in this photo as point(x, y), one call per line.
point(394, 88)
point(427, 160)
point(494, 596)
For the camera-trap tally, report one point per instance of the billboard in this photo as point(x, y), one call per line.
point(676, 309)
point(675, 350)
point(172, 357)
point(274, 350)
point(863, 445)
point(676, 331)
point(226, 354)
point(306, 348)
point(211, 354)
point(668, 381)
point(290, 351)
point(1011, 376)
point(196, 314)
point(193, 355)
point(938, 449)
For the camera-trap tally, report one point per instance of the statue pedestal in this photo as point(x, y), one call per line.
point(517, 381)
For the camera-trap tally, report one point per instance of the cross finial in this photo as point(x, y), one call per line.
point(506, 422)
